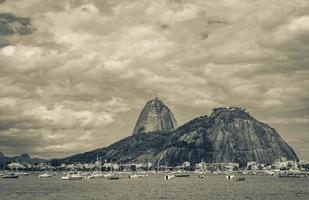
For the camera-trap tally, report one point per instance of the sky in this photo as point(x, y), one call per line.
point(74, 74)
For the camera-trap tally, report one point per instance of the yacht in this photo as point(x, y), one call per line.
point(72, 176)
point(11, 175)
point(45, 175)
point(23, 173)
point(230, 177)
point(114, 177)
point(182, 175)
point(90, 176)
point(108, 175)
point(98, 174)
point(137, 176)
point(234, 178)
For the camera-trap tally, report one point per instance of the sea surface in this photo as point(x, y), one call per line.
point(154, 187)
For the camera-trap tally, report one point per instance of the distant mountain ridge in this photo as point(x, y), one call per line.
point(227, 135)
point(23, 158)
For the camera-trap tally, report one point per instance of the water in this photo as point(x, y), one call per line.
point(154, 187)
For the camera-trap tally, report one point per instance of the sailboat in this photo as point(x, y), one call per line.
point(98, 173)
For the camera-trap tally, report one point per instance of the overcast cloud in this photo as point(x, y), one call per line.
point(75, 74)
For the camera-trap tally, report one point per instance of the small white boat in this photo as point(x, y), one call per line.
point(108, 175)
point(230, 177)
point(45, 175)
point(11, 175)
point(72, 176)
point(137, 175)
point(168, 177)
point(90, 176)
point(182, 175)
point(23, 173)
point(98, 174)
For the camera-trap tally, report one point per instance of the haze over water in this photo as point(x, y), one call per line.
point(155, 187)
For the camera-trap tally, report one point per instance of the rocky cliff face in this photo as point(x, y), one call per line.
point(155, 117)
point(227, 135)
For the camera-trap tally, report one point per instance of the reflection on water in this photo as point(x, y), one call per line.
point(155, 187)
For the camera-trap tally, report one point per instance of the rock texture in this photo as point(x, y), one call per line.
point(155, 117)
point(227, 135)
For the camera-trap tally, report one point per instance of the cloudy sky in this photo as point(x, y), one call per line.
point(74, 74)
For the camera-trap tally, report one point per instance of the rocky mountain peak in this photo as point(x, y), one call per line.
point(25, 156)
point(230, 112)
point(154, 117)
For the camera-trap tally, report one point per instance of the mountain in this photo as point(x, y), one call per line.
point(227, 135)
point(23, 158)
point(155, 117)
point(141, 147)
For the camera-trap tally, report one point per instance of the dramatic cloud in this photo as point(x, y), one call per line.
point(74, 74)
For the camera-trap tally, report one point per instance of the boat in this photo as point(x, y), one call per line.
point(23, 173)
point(11, 175)
point(182, 175)
point(230, 177)
point(113, 178)
point(98, 174)
point(239, 179)
point(234, 178)
point(295, 175)
point(72, 176)
point(108, 175)
point(45, 175)
point(137, 175)
point(90, 176)
point(168, 177)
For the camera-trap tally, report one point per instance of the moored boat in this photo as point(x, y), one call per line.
point(113, 178)
point(182, 175)
point(72, 176)
point(137, 176)
point(98, 174)
point(10, 175)
point(168, 177)
point(239, 179)
point(23, 173)
point(45, 175)
point(230, 177)
point(90, 176)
